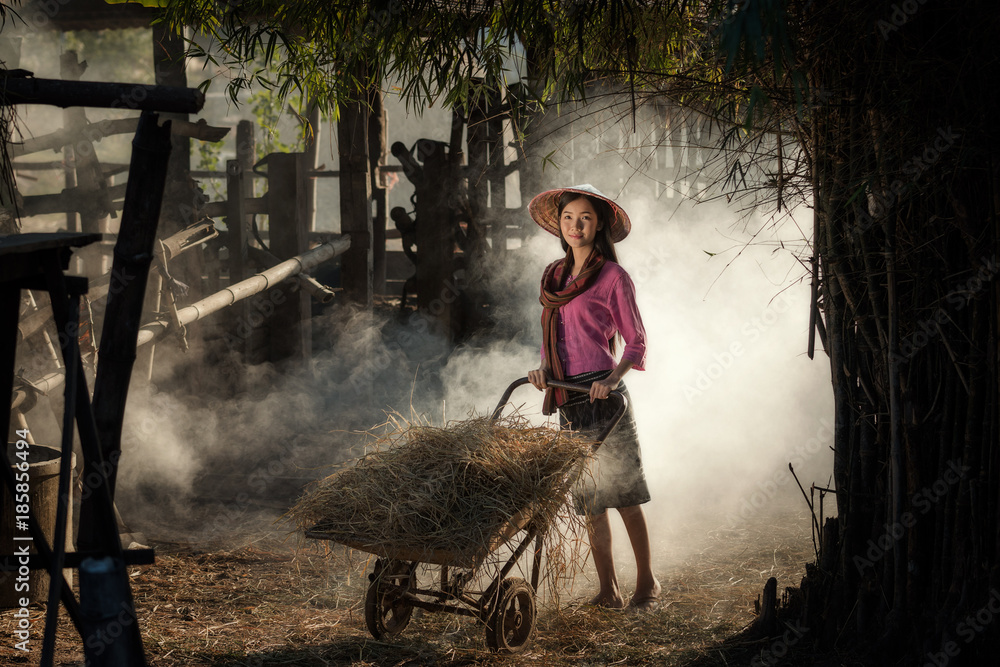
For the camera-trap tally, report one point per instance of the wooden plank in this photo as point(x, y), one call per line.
point(29, 243)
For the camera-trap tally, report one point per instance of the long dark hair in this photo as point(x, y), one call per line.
point(605, 217)
point(602, 240)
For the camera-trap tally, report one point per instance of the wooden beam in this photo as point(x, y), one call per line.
point(77, 199)
point(107, 95)
point(107, 128)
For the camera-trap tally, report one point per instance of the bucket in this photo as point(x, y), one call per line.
point(43, 491)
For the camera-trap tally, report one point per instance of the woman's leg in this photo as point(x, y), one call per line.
point(647, 588)
point(610, 595)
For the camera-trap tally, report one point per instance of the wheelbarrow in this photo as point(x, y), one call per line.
point(506, 607)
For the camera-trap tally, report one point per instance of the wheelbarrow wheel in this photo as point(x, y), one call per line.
point(386, 613)
point(512, 621)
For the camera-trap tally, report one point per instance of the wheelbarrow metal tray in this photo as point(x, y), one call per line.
point(426, 554)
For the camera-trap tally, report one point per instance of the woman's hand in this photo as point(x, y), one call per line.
point(601, 389)
point(538, 378)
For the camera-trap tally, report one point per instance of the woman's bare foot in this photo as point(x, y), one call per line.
point(646, 599)
point(608, 600)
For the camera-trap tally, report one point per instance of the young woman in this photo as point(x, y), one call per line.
point(588, 301)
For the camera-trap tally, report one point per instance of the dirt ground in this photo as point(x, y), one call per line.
point(268, 601)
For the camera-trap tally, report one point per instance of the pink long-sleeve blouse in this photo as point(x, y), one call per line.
point(591, 319)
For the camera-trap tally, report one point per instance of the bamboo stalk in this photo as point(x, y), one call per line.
point(252, 285)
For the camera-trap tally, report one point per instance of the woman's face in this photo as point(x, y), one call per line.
point(578, 223)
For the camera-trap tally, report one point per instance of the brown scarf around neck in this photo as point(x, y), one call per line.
point(552, 298)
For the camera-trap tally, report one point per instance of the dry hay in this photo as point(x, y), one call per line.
point(445, 495)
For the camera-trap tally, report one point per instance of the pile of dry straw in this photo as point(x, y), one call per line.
point(430, 491)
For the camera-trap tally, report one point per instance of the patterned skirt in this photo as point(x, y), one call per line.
point(615, 477)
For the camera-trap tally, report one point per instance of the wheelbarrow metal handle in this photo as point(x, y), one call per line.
point(582, 388)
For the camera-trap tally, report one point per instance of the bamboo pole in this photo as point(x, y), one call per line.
point(246, 288)
point(210, 304)
point(310, 285)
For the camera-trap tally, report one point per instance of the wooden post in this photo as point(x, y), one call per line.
point(436, 292)
point(69, 68)
point(377, 152)
point(497, 177)
point(169, 66)
point(87, 175)
point(479, 155)
point(253, 339)
point(133, 255)
point(236, 220)
point(291, 337)
point(246, 155)
point(132, 258)
point(182, 197)
point(310, 155)
point(355, 206)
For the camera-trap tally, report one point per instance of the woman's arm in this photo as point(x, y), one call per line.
point(538, 378)
point(602, 388)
